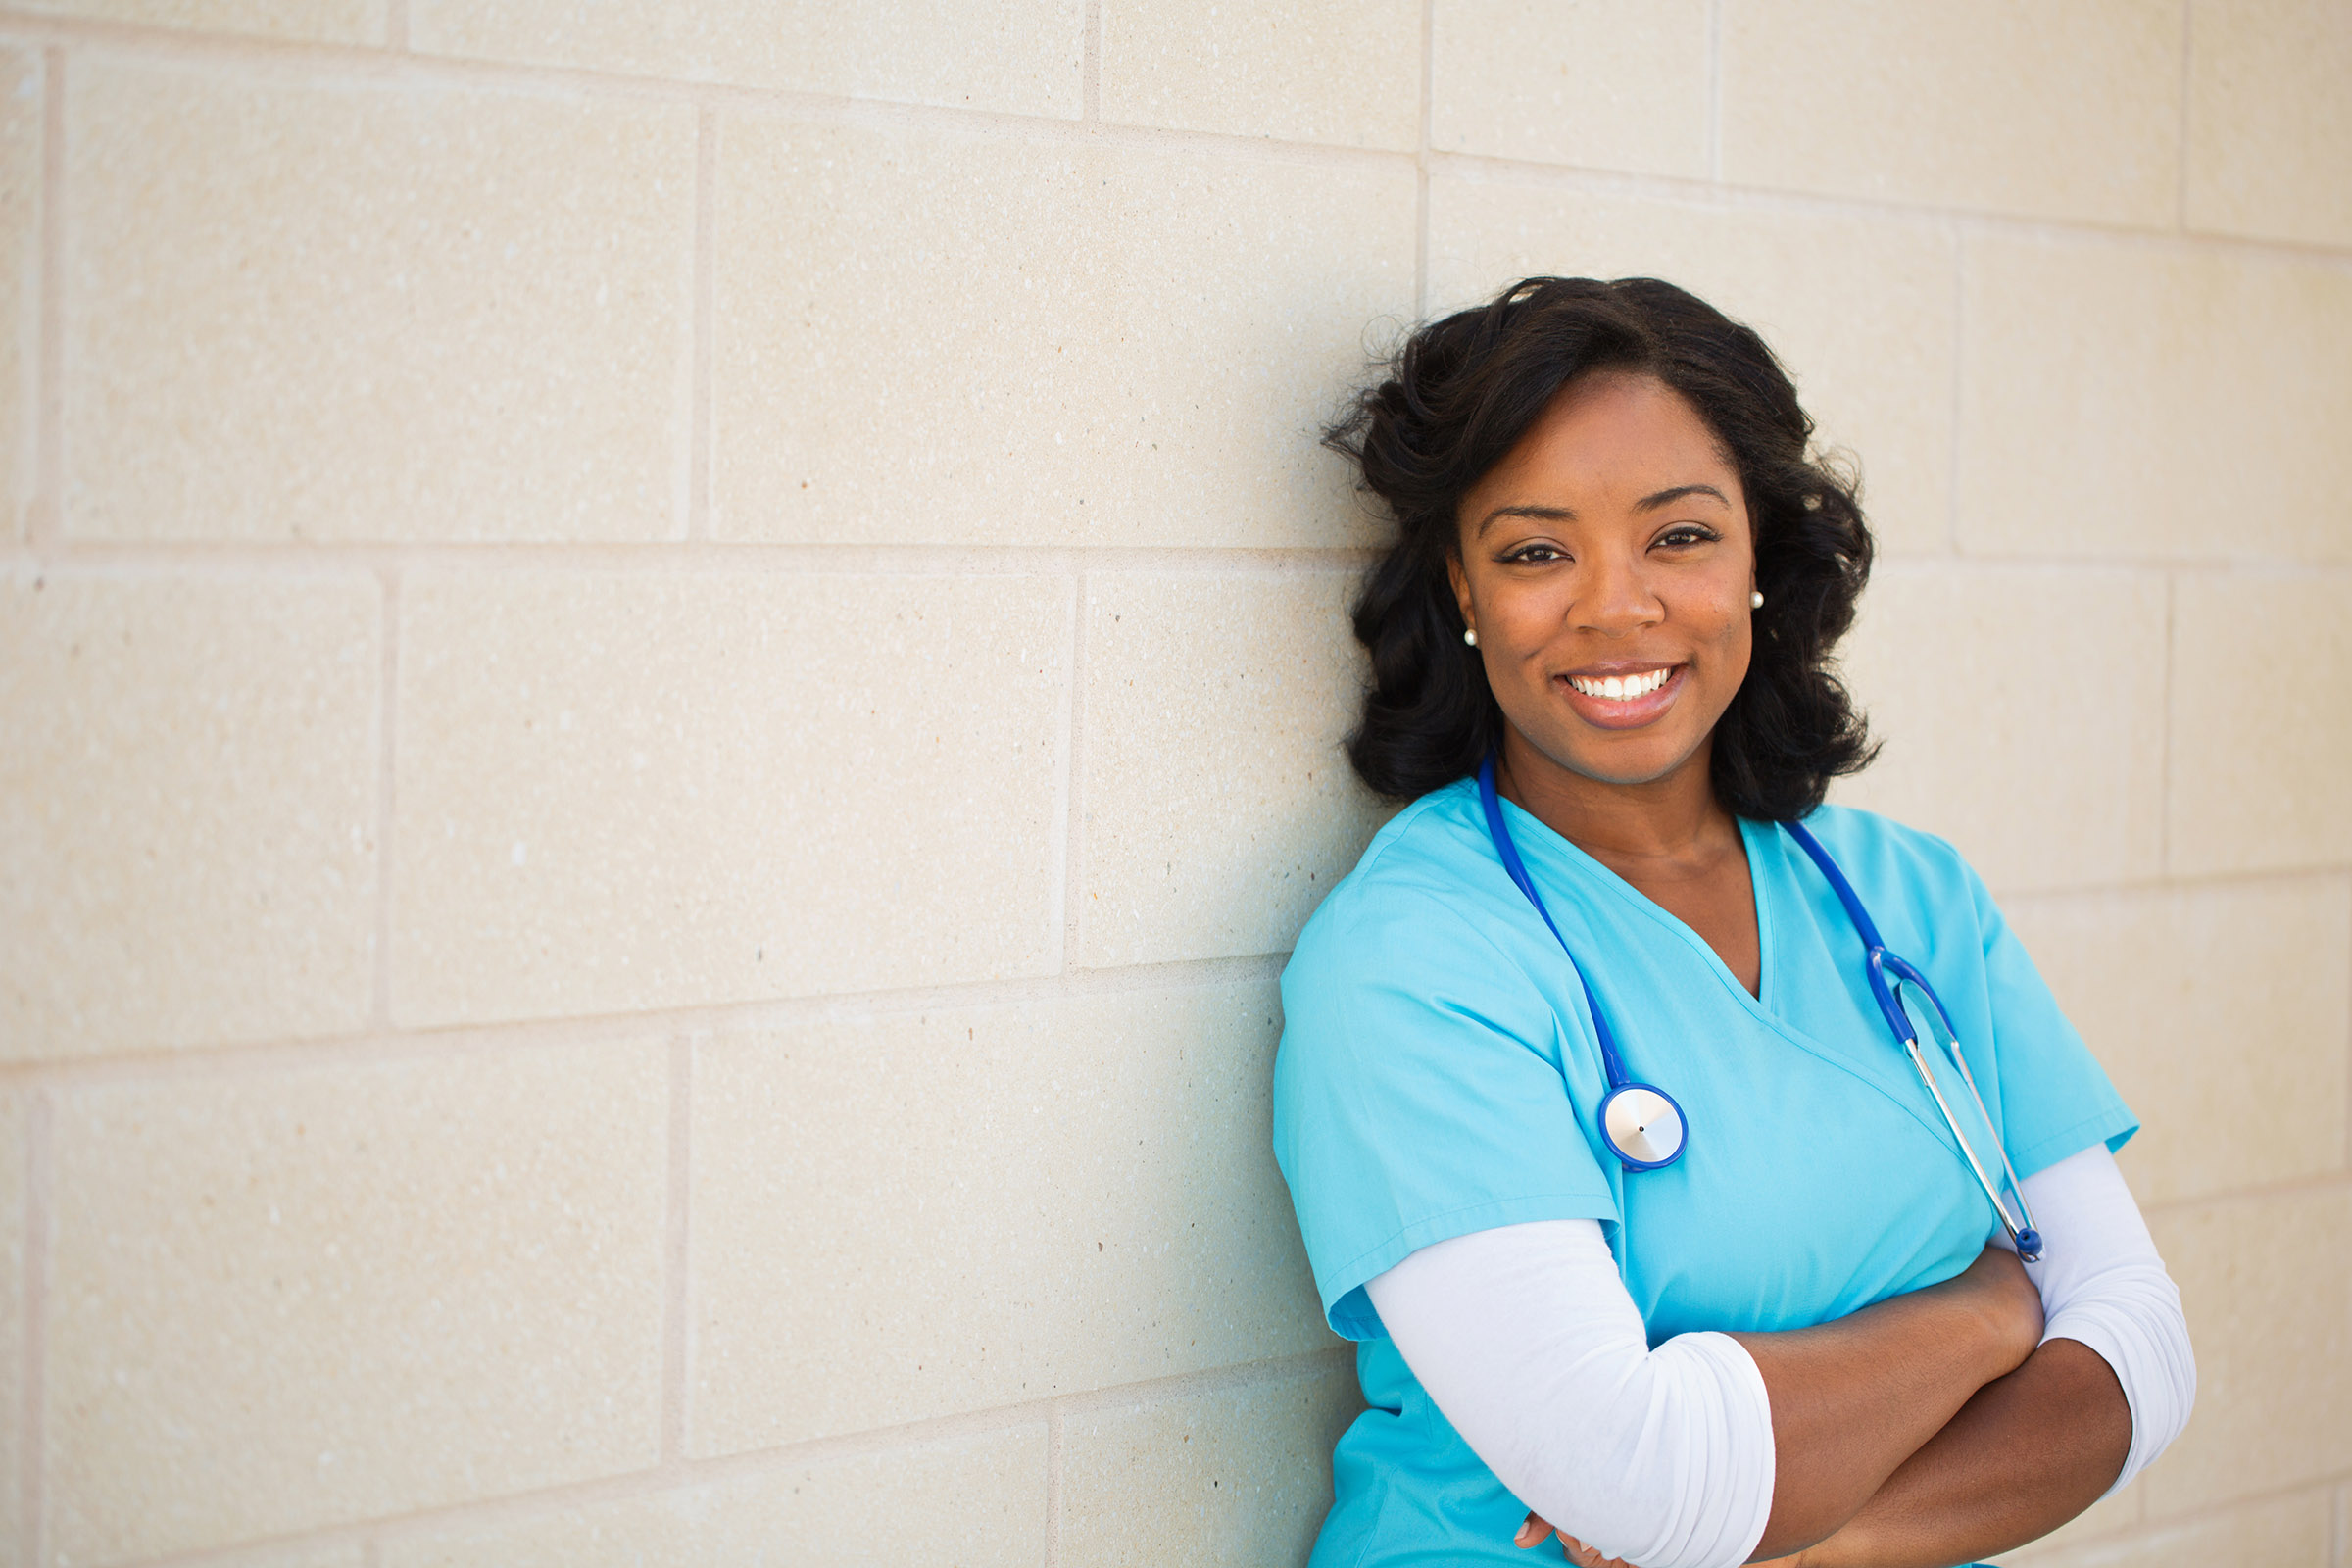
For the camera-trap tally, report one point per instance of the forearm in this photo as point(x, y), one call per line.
point(1853, 1400)
point(2110, 1387)
point(1524, 1338)
point(2030, 1451)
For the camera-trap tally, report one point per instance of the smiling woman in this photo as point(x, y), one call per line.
point(1777, 1311)
point(1469, 388)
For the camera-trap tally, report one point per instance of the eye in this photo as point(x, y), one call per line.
point(1535, 554)
point(1685, 535)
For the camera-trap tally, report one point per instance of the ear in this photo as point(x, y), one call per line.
point(1461, 579)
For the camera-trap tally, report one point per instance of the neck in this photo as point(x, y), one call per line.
point(1670, 819)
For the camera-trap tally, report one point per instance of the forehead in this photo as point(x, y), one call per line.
point(1609, 437)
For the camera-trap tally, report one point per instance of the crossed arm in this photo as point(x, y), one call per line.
point(1930, 1429)
point(2108, 1387)
point(2026, 1453)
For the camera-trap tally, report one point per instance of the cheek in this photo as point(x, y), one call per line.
point(1739, 653)
point(1731, 632)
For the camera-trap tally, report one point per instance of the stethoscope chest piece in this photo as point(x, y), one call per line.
point(1643, 1125)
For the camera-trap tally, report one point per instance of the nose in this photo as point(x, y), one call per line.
point(1616, 598)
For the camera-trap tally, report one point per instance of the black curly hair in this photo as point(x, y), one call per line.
point(1459, 394)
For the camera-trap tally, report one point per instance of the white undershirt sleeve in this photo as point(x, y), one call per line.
point(2103, 1284)
point(1527, 1342)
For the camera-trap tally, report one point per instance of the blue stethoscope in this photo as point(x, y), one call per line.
point(1641, 1123)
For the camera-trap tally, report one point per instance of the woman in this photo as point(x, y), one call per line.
point(1763, 1305)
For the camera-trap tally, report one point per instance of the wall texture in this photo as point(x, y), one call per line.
point(668, 682)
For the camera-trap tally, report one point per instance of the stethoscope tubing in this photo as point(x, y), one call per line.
point(1881, 963)
point(1516, 870)
point(1612, 1063)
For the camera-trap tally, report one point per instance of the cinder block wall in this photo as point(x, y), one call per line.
point(668, 684)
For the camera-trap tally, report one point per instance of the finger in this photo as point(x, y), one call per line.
point(1533, 1531)
point(1585, 1556)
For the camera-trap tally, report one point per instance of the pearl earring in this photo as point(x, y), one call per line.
point(1755, 600)
point(1469, 636)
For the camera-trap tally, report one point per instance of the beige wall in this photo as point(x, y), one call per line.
point(668, 676)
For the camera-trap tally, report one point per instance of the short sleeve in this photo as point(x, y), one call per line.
point(1419, 1094)
point(2055, 1097)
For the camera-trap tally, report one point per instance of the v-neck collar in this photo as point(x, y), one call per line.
point(1751, 835)
point(1761, 842)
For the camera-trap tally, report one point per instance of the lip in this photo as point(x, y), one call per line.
point(1630, 713)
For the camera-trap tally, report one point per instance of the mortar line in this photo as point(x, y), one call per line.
point(378, 62)
point(105, 558)
point(2153, 1523)
point(373, 61)
point(309, 60)
point(2166, 678)
point(396, 25)
point(1715, 91)
point(2331, 1182)
point(1055, 1486)
point(2187, 123)
point(1065, 870)
point(731, 558)
point(2110, 565)
point(1429, 98)
point(2154, 883)
point(1955, 448)
point(787, 1012)
point(656, 1479)
point(2138, 1512)
point(701, 352)
point(2210, 882)
point(45, 516)
point(32, 1424)
point(725, 1017)
point(676, 1258)
point(1690, 190)
point(1090, 64)
point(387, 707)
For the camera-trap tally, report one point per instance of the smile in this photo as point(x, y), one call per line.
point(1634, 699)
point(1617, 688)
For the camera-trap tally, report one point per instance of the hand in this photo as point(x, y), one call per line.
point(1537, 1530)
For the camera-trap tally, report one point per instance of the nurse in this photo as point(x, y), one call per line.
point(1776, 1313)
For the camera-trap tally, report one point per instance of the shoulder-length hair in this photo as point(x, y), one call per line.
point(1459, 394)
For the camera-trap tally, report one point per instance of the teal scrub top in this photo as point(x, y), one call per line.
point(1438, 1075)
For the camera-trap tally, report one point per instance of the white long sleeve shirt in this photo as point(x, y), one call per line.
point(1525, 1340)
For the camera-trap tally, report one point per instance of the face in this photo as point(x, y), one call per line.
point(1605, 564)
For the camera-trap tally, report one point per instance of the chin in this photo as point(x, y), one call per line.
point(1629, 766)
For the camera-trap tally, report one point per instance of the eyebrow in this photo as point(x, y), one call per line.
point(1648, 503)
point(1667, 498)
point(1540, 513)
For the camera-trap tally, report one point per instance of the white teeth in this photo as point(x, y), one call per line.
point(1621, 688)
